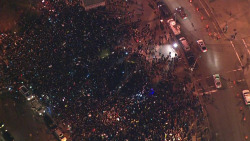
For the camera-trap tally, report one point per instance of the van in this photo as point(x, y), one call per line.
point(176, 28)
point(185, 44)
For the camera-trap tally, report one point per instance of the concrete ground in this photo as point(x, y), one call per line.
point(234, 17)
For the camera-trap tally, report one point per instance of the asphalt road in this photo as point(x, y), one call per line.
point(223, 57)
point(21, 121)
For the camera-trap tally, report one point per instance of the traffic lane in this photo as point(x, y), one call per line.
point(241, 49)
point(228, 80)
point(21, 121)
point(197, 17)
point(235, 12)
point(224, 115)
point(218, 59)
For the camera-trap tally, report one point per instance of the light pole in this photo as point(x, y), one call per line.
point(192, 68)
point(175, 45)
point(175, 17)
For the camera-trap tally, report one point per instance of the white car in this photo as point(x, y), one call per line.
point(246, 96)
point(25, 92)
point(202, 45)
point(184, 44)
point(217, 81)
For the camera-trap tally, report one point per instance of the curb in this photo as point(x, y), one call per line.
point(212, 17)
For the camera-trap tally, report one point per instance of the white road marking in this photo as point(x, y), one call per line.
point(245, 46)
point(209, 16)
point(236, 53)
point(239, 69)
point(204, 8)
point(208, 92)
point(240, 80)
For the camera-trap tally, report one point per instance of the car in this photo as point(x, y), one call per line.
point(160, 4)
point(37, 107)
point(49, 122)
point(246, 96)
point(25, 92)
point(164, 11)
point(58, 133)
point(202, 45)
point(185, 44)
point(181, 12)
point(217, 81)
point(191, 60)
point(7, 136)
point(1, 125)
point(176, 28)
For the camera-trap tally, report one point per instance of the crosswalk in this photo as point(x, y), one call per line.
point(205, 84)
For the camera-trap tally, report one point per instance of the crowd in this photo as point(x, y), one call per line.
point(70, 59)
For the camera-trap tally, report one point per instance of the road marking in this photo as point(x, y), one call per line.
point(245, 45)
point(208, 92)
point(239, 69)
point(204, 8)
point(240, 80)
point(209, 16)
point(236, 53)
point(206, 77)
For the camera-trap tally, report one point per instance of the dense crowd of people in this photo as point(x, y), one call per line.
point(70, 59)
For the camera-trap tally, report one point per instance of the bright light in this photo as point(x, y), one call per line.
point(161, 20)
point(168, 50)
point(175, 45)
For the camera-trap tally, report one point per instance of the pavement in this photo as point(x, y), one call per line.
point(19, 119)
point(234, 17)
point(225, 56)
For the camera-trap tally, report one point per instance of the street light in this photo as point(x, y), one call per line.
point(175, 17)
point(192, 68)
point(175, 45)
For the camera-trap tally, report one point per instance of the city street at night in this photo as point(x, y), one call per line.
point(77, 70)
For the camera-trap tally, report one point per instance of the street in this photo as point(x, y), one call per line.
point(135, 67)
point(21, 121)
point(225, 58)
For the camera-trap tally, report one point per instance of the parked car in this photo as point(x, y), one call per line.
point(49, 122)
point(7, 136)
point(176, 28)
point(202, 45)
point(164, 11)
point(37, 107)
point(59, 135)
point(26, 93)
point(217, 81)
point(1, 125)
point(185, 44)
point(246, 96)
point(181, 12)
